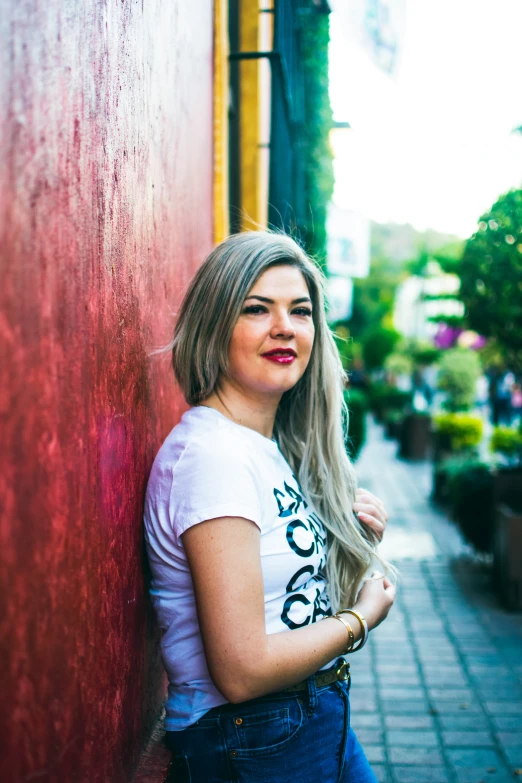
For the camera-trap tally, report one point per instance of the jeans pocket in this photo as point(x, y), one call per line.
point(264, 730)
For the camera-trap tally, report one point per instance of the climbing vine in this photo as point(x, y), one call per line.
point(317, 152)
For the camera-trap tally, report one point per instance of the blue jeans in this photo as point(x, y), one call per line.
point(279, 738)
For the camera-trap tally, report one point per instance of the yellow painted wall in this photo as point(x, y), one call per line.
point(221, 79)
point(256, 34)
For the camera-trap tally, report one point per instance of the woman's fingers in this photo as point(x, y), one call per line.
point(374, 524)
point(372, 516)
point(370, 510)
point(365, 496)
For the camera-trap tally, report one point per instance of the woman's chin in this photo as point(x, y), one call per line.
point(278, 389)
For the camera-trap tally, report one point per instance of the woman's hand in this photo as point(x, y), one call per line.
point(376, 599)
point(371, 511)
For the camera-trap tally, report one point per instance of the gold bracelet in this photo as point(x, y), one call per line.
point(364, 626)
point(351, 637)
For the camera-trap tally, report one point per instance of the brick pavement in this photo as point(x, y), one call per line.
point(437, 692)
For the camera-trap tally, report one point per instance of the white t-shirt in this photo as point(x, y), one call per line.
point(211, 467)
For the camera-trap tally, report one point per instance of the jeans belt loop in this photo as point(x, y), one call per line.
point(312, 695)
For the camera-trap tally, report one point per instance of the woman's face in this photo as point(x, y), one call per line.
point(272, 340)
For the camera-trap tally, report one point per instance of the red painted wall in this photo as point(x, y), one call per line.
point(105, 212)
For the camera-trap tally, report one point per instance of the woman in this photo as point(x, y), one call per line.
point(251, 535)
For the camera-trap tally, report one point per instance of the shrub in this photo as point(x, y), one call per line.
point(384, 398)
point(467, 484)
point(458, 374)
point(507, 443)
point(472, 496)
point(357, 403)
point(462, 431)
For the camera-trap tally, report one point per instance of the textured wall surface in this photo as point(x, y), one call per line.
point(105, 212)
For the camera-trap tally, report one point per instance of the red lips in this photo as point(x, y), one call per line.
point(281, 352)
point(280, 355)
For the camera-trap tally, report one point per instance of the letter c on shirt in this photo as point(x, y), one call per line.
point(302, 599)
point(290, 538)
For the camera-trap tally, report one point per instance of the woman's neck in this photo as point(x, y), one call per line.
point(254, 411)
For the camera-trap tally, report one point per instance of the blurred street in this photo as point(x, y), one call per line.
point(437, 693)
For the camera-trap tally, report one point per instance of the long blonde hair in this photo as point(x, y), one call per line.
point(311, 418)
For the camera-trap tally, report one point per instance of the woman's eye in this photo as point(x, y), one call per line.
point(258, 309)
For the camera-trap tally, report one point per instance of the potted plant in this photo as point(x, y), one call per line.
point(507, 554)
point(456, 433)
point(415, 435)
point(392, 421)
point(471, 495)
point(507, 543)
point(385, 398)
point(459, 371)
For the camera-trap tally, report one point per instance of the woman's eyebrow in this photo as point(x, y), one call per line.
point(271, 301)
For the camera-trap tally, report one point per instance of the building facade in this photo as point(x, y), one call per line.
point(106, 154)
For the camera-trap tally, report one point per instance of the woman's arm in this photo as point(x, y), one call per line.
point(243, 660)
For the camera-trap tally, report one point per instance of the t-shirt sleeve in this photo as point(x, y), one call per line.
point(210, 482)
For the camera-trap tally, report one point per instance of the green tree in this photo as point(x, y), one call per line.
point(378, 343)
point(374, 296)
point(491, 276)
point(458, 374)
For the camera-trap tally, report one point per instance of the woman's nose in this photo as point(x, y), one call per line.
point(282, 326)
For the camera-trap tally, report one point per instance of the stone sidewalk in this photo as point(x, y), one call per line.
point(437, 692)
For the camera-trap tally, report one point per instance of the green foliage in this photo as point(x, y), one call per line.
point(377, 344)
point(401, 242)
point(398, 364)
point(374, 296)
point(458, 374)
point(316, 150)
point(491, 275)
point(392, 416)
point(507, 442)
point(455, 321)
point(384, 398)
point(357, 403)
point(440, 297)
point(492, 355)
point(391, 247)
point(425, 355)
point(349, 349)
point(449, 256)
point(421, 352)
point(463, 430)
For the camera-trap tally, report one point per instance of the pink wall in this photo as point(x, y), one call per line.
point(105, 212)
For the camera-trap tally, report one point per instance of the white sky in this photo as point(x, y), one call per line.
point(432, 146)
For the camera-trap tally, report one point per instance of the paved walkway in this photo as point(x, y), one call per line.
point(437, 692)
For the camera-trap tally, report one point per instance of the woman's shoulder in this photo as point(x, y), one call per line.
point(206, 436)
point(206, 469)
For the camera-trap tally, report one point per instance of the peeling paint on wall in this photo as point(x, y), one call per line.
point(105, 213)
